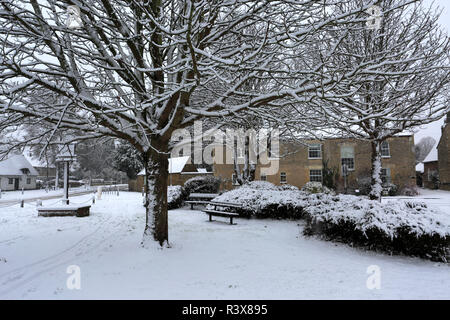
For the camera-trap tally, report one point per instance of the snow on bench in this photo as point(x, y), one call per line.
point(200, 198)
point(221, 213)
point(70, 210)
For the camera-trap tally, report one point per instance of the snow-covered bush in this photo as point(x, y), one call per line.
point(175, 197)
point(410, 191)
point(410, 228)
point(203, 184)
point(264, 200)
point(391, 189)
point(315, 187)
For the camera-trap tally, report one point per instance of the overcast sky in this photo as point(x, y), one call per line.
point(434, 129)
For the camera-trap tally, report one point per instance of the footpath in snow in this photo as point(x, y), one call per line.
point(255, 259)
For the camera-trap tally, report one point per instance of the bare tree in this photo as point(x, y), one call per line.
point(399, 77)
point(423, 148)
point(139, 70)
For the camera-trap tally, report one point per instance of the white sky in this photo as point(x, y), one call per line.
point(434, 129)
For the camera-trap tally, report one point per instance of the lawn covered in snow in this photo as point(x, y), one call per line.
point(255, 259)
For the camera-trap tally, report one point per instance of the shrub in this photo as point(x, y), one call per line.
point(391, 189)
point(262, 199)
point(315, 187)
point(203, 184)
point(175, 197)
point(364, 184)
point(410, 191)
point(396, 226)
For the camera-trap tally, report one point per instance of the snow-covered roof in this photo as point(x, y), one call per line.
point(419, 167)
point(35, 162)
point(176, 165)
point(432, 156)
point(13, 165)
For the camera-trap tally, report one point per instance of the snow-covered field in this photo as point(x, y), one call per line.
point(255, 259)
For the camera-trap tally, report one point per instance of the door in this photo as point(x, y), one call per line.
point(16, 184)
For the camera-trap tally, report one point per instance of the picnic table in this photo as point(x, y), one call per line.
point(200, 198)
point(224, 212)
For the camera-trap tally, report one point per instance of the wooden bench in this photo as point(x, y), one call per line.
point(200, 198)
point(64, 211)
point(221, 213)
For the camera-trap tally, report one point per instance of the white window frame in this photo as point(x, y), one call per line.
point(387, 175)
point(316, 175)
point(320, 150)
point(281, 177)
point(348, 168)
point(388, 149)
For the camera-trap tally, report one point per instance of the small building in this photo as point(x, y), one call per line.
point(443, 148)
point(46, 170)
point(431, 170)
point(16, 173)
point(180, 170)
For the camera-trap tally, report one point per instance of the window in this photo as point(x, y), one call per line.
point(263, 177)
point(349, 162)
point(28, 180)
point(315, 151)
point(10, 181)
point(315, 175)
point(386, 175)
point(348, 157)
point(283, 178)
point(385, 152)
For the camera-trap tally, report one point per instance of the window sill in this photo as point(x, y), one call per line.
point(314, 158)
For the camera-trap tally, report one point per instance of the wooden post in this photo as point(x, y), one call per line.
point(22, 203)
point(66, 182)
point(57, 176)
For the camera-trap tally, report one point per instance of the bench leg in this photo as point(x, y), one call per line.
point(192, 206)
point(210, 217)
point(231, 220)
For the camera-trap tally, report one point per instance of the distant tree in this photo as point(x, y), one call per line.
point(127, 159)
point(423, 148)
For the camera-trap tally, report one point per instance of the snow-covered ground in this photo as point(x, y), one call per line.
point(255, 259)
point(31, 194)
point(436, 198)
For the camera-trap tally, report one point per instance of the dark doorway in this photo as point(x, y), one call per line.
point(16, 184)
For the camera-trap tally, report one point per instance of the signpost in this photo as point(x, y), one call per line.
point(345, 174)
point(66, 155)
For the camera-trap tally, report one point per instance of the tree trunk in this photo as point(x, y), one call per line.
point(376, 183)
point(156, 225)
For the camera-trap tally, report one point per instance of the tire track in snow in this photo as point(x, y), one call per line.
point(25, 274)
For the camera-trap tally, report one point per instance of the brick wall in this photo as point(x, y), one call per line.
point(444, 158)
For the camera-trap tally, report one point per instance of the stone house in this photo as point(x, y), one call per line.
point(303, 162)
point(16, 173)
point(180, 170)
point(443, 148)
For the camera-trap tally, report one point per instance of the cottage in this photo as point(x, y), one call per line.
point(16, 173)
point(46, 170)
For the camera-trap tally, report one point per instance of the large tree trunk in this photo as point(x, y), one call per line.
point(156, 225)
point(376, 184)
